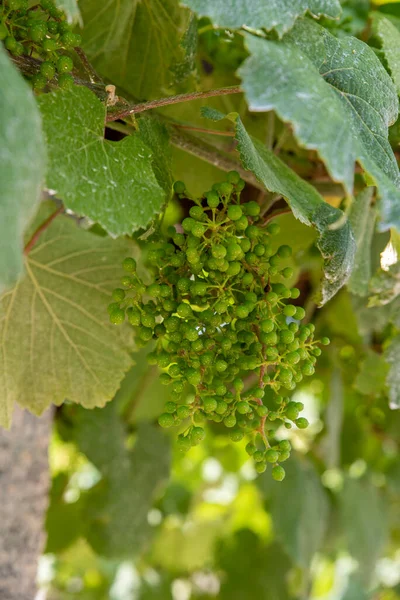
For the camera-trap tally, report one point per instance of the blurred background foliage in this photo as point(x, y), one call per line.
point(130, 518)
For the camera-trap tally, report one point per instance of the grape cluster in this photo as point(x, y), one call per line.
point(40, 31)
point(221, 325)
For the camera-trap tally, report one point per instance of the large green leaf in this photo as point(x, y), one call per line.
point(22, 162)
point(56, 342)
point(389, 37)
point(338, 98)
point(371, 377)
point(364, 521)
point(267, 14)
point(385, 285)
point(112, 183)
point(117, 507)
point(300, 511)
point(336, 243)
point(392, 356)
point(362, 219)
point(137, 45)
point(253, 569)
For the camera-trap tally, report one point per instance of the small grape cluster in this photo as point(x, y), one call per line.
point(221, 325)
point(40, 31)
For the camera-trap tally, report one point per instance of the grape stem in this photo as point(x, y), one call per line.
point(138, 108)
point(38, 232)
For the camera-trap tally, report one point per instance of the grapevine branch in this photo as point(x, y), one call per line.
point(42, 227)
point(138, 108)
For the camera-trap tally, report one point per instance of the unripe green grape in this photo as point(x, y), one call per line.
point(262, 410)
point(242, 223)
point(252, 209)
point(285, 446)
point(230, 421)
point(10, 43)
point(212, 199)
point(233, 177)
point(267, 325)
point(209, 405)
point(198, 230)
point(260, 467)
point(145, 333)
point(221, 408)
point(287, 272)
point(300, 313)
point(286, 336)
point(188, 224)
point(284, 251)
point(243, 408)
point(225, 188)
point(183, 412)
point(284, 455)
point(37, 32)
point(118, 295)
point(271, 456)
point(294, 293)
point(184, 443)
point(117, 316)
point(166, 420)
point(259, 250)
point(272, 298)
point(234, 212)
point(325, 341)
point(278, 473)
point(301, 423)
point(198, 434)
point(133, 316)
point(65, 81)
point(273, 228)
point(289, 310)
point(258, 456)
point(291, 411)
point(236, 435)
point(38, 81)
point(47, 69)
point(293, 358)
point(49, 45)
point(170, 407)
point(193, 376)
point(179, 187)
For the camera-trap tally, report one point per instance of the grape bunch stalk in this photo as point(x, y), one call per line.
point(39, 30)
point(222, 326)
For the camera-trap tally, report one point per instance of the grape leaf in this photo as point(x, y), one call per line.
point(389, 37)
point(338, 98)
point(253, 569)
point(55, 339)
point(364, 520)
point(155, 135)
point(137, 44)
point(362, 219)
point(112, 183)
point(22, 164)
point(70, 7)
point(335, 244)
point(370, 379)
point(262, 14)
point(117, 507)
point(392, 356)
point(300, 511)
point(385, 286)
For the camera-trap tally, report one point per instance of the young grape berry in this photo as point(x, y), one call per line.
point(218, 312)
